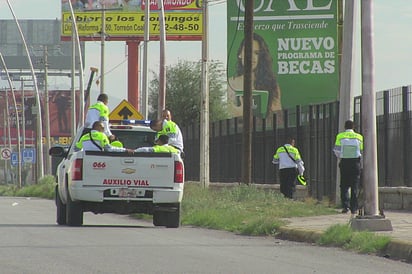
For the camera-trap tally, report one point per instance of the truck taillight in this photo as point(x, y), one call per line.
point(77, 171)
point(179, 172)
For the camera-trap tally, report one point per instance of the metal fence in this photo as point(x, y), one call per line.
point(314, 128)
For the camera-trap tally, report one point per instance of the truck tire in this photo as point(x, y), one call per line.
point(173, 218)
point(61, 209)
point(74, 212)
point(159, 218)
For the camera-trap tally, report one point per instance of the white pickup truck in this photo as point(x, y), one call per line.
point(118, 182)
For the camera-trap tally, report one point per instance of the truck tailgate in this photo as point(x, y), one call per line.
point(117, 169)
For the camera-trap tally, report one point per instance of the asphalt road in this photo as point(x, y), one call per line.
point(31, 242)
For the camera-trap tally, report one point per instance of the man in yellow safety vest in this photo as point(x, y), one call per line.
point(99, 112)
point(348, 148)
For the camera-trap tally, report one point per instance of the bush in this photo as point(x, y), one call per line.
point(43, 189)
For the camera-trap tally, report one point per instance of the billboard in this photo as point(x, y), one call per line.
point(60, 113)
point(295, 54)
point(42, 37)
point(124, 20)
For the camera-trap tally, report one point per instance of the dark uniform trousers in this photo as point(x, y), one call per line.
point(287, 177)
point(350, 174)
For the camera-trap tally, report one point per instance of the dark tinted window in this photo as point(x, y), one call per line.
point(135, 139)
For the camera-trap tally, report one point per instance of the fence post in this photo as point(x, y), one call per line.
point(386, 135)
point(406, 134)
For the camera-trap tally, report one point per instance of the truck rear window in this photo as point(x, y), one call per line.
point(134, 139)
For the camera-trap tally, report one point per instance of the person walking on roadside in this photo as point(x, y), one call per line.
point(99, 112)
point(290, 166)
point(348, 148)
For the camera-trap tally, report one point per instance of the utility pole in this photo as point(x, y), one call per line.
point(162, 72)
point(17, 121)
point(23, 119)
point(369, 112)
point(247, 96)
point(372, 220)
point(204, 103)
point(39, 135)
point(102, 38)
point(47, 110)
point(75, 37)
point(73, 88)
point(145, 89)
point(346, 72)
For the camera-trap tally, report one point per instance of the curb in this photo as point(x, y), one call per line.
point(298, 235)
point(398, 250)
point(395, 250)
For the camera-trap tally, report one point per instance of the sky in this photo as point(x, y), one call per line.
point(392, 45)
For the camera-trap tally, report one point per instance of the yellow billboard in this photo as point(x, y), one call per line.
point(132, 24)
point(183, 20)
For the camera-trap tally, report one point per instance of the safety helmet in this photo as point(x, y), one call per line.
point(301, 180)
point(116, 143)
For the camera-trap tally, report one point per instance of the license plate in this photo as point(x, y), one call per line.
point(130, 193)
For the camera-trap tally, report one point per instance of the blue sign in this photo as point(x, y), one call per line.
point(14, 158)
point(29, 155)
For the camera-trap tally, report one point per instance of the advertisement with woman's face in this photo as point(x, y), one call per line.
point(294, 54)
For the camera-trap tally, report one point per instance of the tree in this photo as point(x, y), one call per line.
point(183, 88)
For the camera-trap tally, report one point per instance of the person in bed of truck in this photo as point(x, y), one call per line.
point(97, 140)
point(161, 145)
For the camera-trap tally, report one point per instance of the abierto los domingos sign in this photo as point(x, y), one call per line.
point(183, 20)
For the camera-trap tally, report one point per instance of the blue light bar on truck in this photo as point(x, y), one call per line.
point(136, 122)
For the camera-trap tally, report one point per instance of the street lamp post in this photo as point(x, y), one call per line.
point(38, 102)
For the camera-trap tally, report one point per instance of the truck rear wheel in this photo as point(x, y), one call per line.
point(173, 218)
point(167, 216)
point(61, 209)
point(74, 212)
point(158, 218)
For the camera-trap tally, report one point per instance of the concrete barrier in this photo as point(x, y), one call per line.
point(395, 198)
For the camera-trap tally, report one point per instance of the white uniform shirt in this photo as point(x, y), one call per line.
point(92, 116)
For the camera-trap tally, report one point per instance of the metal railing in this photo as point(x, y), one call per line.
point(315, 128)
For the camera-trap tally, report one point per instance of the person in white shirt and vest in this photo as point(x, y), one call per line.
point(171, 129)
point(290, 166)
point(99, 112)
point(348, 148)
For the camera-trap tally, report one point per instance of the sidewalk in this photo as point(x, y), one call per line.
point(309, 229)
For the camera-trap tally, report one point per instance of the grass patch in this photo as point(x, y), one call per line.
point(367, 242)
point(336, 235)
point(243, 209)
point(359, 241)
point(43, 189)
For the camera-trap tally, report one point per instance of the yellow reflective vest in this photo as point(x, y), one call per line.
point(98, 137)
point(348, 144)
point(165, 148)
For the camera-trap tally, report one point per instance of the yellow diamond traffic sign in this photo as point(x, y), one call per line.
point(125, 111)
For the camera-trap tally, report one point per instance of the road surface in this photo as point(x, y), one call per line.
point(31, 242)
